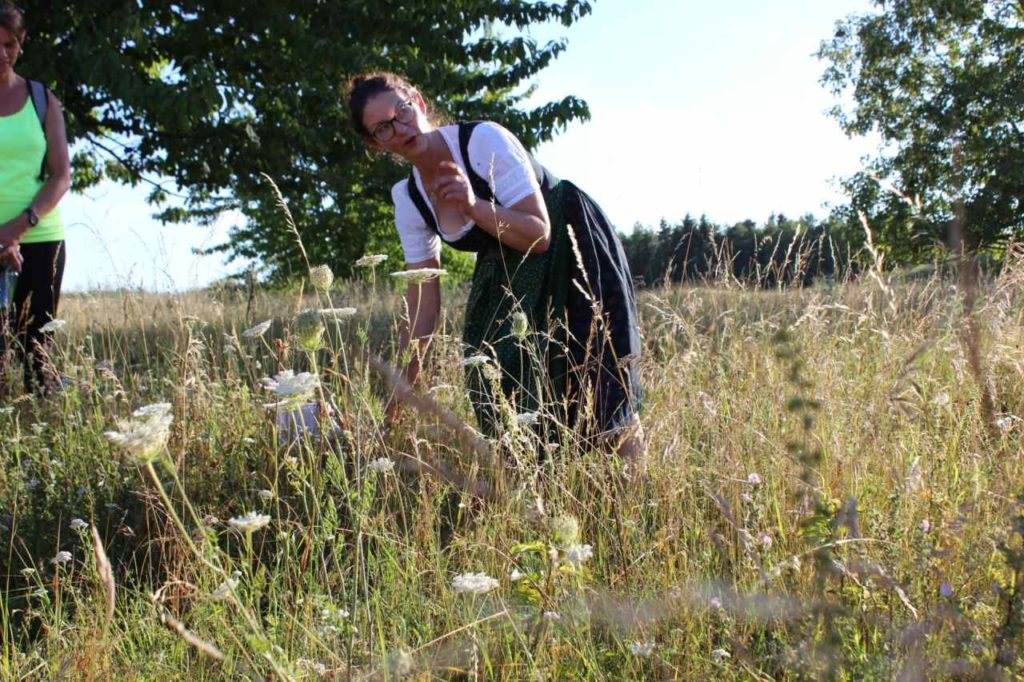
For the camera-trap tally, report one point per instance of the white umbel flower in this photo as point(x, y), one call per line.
point(475, 360)
point(371, 261)
point(61, 558)
point(291, 388)
point(720, 655)
point(336, 313)
point(257, 330)
point(53, 326)
point(250, 523)
point(78, 524)
point(641, 648)
point(144, 436)
point(577, 554)
point(224, 590)
point(527, 418)
point(321, 277)
point(419, 275)
point(473, 583)
point(381, 465)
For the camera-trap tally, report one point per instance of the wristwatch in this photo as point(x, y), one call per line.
point(33, 218)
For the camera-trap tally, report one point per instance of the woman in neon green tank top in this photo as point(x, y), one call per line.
point(31, 231)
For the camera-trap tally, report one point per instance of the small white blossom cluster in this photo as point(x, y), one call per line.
point(641, 648)
point(257, 330)
point(371, 261)
point(321, 277)
point(145, 435)
point(54, 325)
point(473, 583)
point(578, 554)
point(291, 388)
point(419, 275)
point(336, 313)
point(224, 590)
point(249, 523)
point(381, 465)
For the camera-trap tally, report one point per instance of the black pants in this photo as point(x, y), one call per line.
point(33, 305)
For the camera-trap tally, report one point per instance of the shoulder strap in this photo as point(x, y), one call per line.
point(421, 204)
point(41, 101)
point(480, 186)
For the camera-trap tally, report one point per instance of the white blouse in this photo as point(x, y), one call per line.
point(496, 155)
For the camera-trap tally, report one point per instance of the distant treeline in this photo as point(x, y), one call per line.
point(781, 251)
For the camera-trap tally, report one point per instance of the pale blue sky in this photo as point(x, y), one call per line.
point(697, 107)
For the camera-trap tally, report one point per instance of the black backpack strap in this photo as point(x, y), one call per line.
point(421, 204)
point(40, 97)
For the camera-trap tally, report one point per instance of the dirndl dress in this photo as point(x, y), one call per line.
point(577, 365)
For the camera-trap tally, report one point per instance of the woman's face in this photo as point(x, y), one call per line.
point(10, 49)
point(397, 123)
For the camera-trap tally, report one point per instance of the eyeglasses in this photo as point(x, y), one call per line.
point(385, 130)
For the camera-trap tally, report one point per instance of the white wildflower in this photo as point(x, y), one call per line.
point(475, 360)
point(473, 583)
point(527, 418)
point(61, 558)
point(291, 388)
point(315, 667)
point(926, 525)
point(336, 313)
point(577, 554)
point(720, 655)
point(371, 261)
point(145, 436)
point(321, 277)
point(516, 575)
point(265, 495)
point(250, 523)
point(257, 330)
point(28, 571)
point(551, 615)
point(564, 529)
point(941, 399)
point(381, 465)
point(754, 479)
point(54, 325)
point(641, 648)
point(78, 524)
point(1004, 423)
point(715, 603)
point(224, 590)
point(419, 275)
point(765, 539)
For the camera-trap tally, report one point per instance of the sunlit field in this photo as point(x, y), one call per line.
point(830, 491)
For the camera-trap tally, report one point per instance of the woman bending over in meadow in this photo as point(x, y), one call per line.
point(473, 185)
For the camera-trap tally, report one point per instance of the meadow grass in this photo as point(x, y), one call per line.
point(823, 499)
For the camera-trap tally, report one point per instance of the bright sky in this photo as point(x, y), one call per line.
point(697, 107)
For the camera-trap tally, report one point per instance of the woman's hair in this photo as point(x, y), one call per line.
point(11, 19)
point(368, 85)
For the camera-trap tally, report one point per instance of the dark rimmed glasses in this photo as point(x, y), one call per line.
point(385, 130)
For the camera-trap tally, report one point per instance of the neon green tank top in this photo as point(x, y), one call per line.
point(22, 148)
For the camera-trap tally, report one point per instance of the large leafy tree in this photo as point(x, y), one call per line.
point(941, 82)
point(212, 94)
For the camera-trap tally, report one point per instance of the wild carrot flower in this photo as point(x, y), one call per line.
point(577, 554)
point(257, 330)
point(527, 418)
point(62, 558)
point(250, 523)
point(54, 325)
point(78, 524)
point(475, 360)
point(144, 436)
point(720, 655)
point(224, 590)
point(381, 465)
point(419, 275)
point(643, 649)
point(564, 529)
point(336, 313)
point(321, 277)
point(371, 261)
point(291, 388)
point(473, 583)
point(754, 479)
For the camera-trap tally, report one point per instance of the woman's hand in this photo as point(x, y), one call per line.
point(452, 186)
point(10, 257)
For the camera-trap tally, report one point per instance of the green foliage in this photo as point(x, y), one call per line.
point(940, 82)
point(211, 96)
